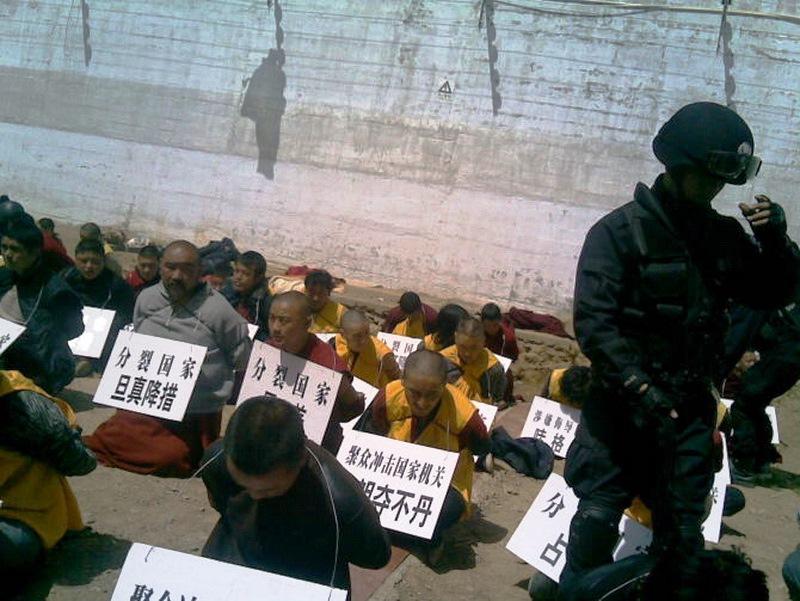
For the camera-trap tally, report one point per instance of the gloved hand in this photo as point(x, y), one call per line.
point(767, 219)
point(652, 407)
point(32, 424)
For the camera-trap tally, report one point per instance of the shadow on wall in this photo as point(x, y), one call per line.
point(264, 101)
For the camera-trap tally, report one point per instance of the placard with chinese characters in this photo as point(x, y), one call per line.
point(310, 387)
point(401, 346)
point(9, 332)
point(369, 392)
point(552, 423)
point(712, 526)
point(541, 538)
point(150, 375)
point(96, 325)
point(156, 574)
point(406, 482)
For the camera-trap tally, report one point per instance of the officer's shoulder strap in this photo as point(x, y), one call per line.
point(652, 232)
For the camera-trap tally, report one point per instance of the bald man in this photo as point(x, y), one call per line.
point(290, 318)
point(424, 409)
point(182, 308)
point(366, 356)
point(473, 368)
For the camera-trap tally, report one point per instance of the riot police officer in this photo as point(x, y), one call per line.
point(653, 282)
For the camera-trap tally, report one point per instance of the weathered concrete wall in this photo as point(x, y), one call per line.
point(315, 130)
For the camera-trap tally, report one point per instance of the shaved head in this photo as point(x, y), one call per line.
point(295, 301)
point(354, 319)
point(186, 249)
point(427, 364)
point(469, 326)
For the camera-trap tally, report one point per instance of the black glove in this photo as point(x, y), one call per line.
point(651, 408)
point(775, 228)
point(32, 424)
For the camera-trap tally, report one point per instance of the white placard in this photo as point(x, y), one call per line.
point(406, 482)
point(401, 346)
point(326, 337)
point(369, 392)
point(552, 423)
point(487, 414)
point(252, 330)
point(150, 375)
point(9, 332)
point(504, 361)
point(542, 536)
point(310, 387)
point(634, 539)
point(772, 414)
point(712, 525)
point(96, 326)
point(156, 574)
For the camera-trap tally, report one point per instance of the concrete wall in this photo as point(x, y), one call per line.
point(316, 131)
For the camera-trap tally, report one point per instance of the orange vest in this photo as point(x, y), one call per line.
point(412, 327)
point(368, 365)
point(454, 412)
point(33, 492)
point(470, 381)
point(329, 319)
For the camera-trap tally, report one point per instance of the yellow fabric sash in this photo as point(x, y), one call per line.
point(470, 381)
point(329, 319)
point(455, 410)
point(413, 327)
point(368, 364)
point(33, 492)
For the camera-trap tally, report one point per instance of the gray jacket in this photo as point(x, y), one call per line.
point(207, 320)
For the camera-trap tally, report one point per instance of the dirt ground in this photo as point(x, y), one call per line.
point(120, 508)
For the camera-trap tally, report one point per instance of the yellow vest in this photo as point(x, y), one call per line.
point(412, 327)
point(329, 319)
point(431, 344)
point(455, 410)
point(470, 381)
point(33, 492)
point(367, 365)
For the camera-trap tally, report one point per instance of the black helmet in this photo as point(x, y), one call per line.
point(710, 136)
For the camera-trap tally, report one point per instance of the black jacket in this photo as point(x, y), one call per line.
point(254, 307)
point(295, 534)
point(53, 315)
point(106, 291)
point(653, 284)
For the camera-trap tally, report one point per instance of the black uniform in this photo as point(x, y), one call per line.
point(652, 286)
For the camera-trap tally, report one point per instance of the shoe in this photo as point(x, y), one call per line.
point(541, 588)
point(83, 368)
point(734, 501)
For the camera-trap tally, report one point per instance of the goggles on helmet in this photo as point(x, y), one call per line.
point(733, 167)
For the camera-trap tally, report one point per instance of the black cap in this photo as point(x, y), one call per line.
point(697, 131)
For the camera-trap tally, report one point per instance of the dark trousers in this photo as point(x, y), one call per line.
point(791, 574)
point(20, 547)
point(671, 470)
point(772, 376)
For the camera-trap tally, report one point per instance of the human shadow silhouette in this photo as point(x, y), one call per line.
point(264, 102)
point(75, 561)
